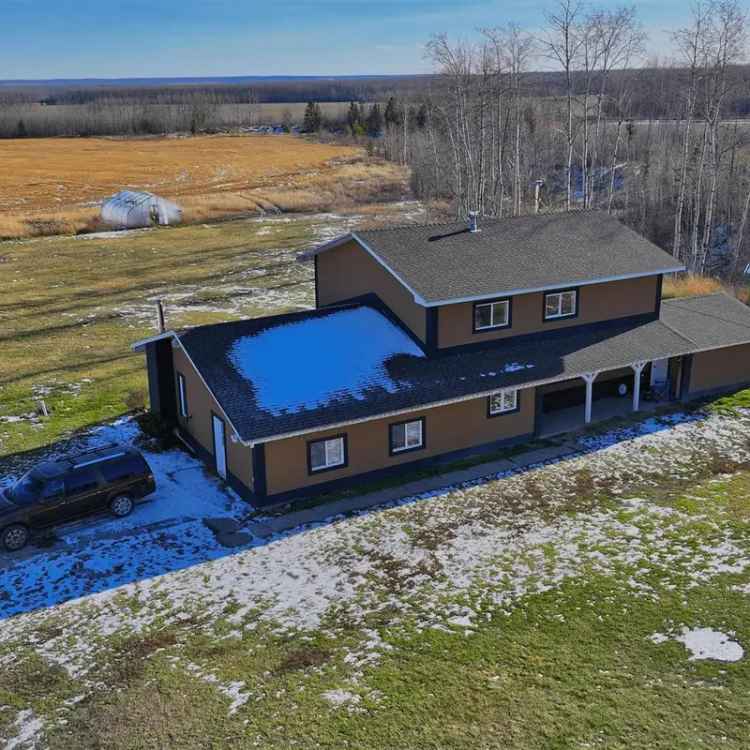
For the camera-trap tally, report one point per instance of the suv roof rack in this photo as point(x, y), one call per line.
point(102, 453)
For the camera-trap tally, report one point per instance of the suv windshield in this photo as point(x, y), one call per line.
point(27, 490)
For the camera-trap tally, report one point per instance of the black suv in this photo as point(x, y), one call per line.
point(58, 491)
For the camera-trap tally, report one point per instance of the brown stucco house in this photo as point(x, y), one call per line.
point(431, 342)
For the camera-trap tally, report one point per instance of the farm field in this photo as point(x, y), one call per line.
point(72, 306)
point(53, 185)
point(598, 601)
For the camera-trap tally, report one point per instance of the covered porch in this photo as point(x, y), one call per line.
point(597, 396)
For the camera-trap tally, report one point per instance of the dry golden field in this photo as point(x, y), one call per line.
point(53, 185)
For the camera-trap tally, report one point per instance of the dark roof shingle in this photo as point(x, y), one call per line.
point(525, 253)
point(685, 326)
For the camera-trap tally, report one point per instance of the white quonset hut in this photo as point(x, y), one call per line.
point(130, 209)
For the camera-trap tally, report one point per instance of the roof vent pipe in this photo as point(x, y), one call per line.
point(160, 322)
point(473, 221)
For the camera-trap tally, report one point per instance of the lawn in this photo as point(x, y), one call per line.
point(72, 306)
point(550, 608)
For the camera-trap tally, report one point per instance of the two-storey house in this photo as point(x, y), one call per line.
point(431, 342)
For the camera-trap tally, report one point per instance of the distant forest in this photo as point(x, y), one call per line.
point(664, 146)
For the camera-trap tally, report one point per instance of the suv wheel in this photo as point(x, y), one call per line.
point(121, 506)
point(15, 537)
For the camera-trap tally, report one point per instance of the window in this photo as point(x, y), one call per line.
point(503, 402)
point(407, 436)
point(327, 454)
point(183, 395)
point(561, 305)
point(81, 480)
point(123, 468)
point(489, 315)
point(53, 489)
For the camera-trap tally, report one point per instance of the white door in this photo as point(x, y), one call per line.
point(220, 447)
point(659, 371)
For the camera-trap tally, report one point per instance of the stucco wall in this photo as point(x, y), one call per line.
point(198, 424)
point(596, 303)
point(447, 428)
point(350, 271)
point(720, 368)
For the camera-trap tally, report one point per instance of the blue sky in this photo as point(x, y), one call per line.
point(89, 38)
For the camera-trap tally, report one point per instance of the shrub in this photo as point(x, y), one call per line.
point(135, 399)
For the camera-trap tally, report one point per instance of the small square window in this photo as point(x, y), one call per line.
point(503, 402)
point(407, 436)
point(327, 454)
point(560, 305)
point(490, 315)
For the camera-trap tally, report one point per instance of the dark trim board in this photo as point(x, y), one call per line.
point(260, 480)
point(370, 476)
point(240, 487)
point(317, 295)
point(721, 391)
point(685, 377)
point(659, 289)
point(431, 329)
point(162, 387)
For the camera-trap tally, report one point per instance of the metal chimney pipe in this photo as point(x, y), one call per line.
point(473, 221)
point(160, 323)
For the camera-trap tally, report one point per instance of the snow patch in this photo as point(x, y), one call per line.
point(28, 728)
point(340, 698)
point(345, 353)
point(704, 643)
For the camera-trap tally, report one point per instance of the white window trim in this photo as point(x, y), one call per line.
point(182, 389)
point(503, 409)
point(493, 324)
point(559, 314)
point(328, 463)
point(407, 446)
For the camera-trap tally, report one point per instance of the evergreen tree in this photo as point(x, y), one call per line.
point(313, 118)
point(21, 131)
point(375, 121)
point(392, 113)
point(353, 117)
point(421, 120)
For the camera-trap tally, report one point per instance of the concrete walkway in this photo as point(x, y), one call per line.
point(269, 525)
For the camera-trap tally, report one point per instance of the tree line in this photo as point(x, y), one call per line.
point(490, 143)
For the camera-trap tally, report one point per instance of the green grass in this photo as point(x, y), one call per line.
point(71, 308)
point(569, 667)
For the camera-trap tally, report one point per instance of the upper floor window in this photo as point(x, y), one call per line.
point(407, 436)
point(561, 305)
point(503, 402)
point(327, 454)
point(490, 315)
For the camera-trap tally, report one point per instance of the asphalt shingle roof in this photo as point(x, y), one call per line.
point(685, 326)
point(448, 262)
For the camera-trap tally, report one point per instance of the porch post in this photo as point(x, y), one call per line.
point(637, 369)
point(589, 377)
